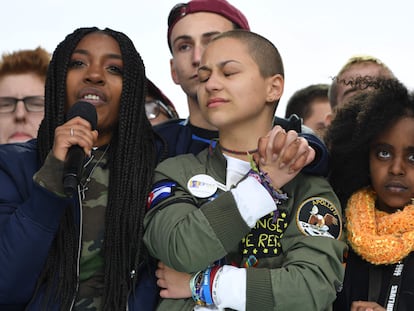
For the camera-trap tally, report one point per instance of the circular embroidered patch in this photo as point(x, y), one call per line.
point(319, 217)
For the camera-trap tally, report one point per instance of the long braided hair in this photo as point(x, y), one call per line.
point(131, 163)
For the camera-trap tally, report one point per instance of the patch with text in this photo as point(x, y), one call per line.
point(264, 238)
point(319, 217)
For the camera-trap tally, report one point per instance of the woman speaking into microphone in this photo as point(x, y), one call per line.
point(82, 251)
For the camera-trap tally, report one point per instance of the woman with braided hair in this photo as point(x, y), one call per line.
point(371, 141)
point(81, 252)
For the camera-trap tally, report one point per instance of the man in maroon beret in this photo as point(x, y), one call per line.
point(190, 28)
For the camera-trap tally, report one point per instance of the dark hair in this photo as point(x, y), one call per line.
point(131, 163)
point(356, 125)
point(300, 102)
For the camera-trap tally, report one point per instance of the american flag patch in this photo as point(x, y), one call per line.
point(160, 191)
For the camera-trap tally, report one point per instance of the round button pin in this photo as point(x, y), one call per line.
point(202, 186)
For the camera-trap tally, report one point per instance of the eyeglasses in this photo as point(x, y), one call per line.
point(31, 103)
point(153, 109)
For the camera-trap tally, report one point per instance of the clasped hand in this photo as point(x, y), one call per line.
point(282, 155)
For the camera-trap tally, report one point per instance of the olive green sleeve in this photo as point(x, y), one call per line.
point(188, 237)
point(50, 175)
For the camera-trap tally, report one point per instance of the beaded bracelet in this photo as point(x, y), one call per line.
point(265, 181)
point(195, 285)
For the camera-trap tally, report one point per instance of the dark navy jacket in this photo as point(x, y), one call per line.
point(29, 219)
point(359, 284)
point(180, 137)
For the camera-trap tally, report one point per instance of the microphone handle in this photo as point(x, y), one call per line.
point(73, 169)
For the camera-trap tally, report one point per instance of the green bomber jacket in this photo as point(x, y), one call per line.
point(299, 250)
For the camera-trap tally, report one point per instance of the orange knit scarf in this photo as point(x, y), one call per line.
point(379, 237)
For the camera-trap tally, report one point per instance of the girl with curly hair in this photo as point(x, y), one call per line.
point(371, 141)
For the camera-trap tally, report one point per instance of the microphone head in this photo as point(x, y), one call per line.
point(84, 110)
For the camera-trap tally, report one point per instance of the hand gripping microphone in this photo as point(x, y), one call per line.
point(73, 165)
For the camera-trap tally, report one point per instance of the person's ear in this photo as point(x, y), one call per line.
point(275, 87)
point(328, 119)
point(173, 72)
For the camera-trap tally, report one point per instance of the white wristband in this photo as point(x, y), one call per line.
point(229, 288)
point(253, 200)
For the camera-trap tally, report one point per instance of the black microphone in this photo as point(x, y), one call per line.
point(73, 165)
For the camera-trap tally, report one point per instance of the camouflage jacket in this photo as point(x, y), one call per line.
point(30, 214)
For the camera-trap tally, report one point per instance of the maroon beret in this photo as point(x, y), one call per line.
point(220, 7)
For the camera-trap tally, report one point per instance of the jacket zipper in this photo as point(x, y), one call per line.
point(79, 249)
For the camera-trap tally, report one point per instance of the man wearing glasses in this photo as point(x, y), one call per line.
point(22, 84)
point(158, 107)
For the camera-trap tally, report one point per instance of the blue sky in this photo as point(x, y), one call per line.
point(315, 37)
